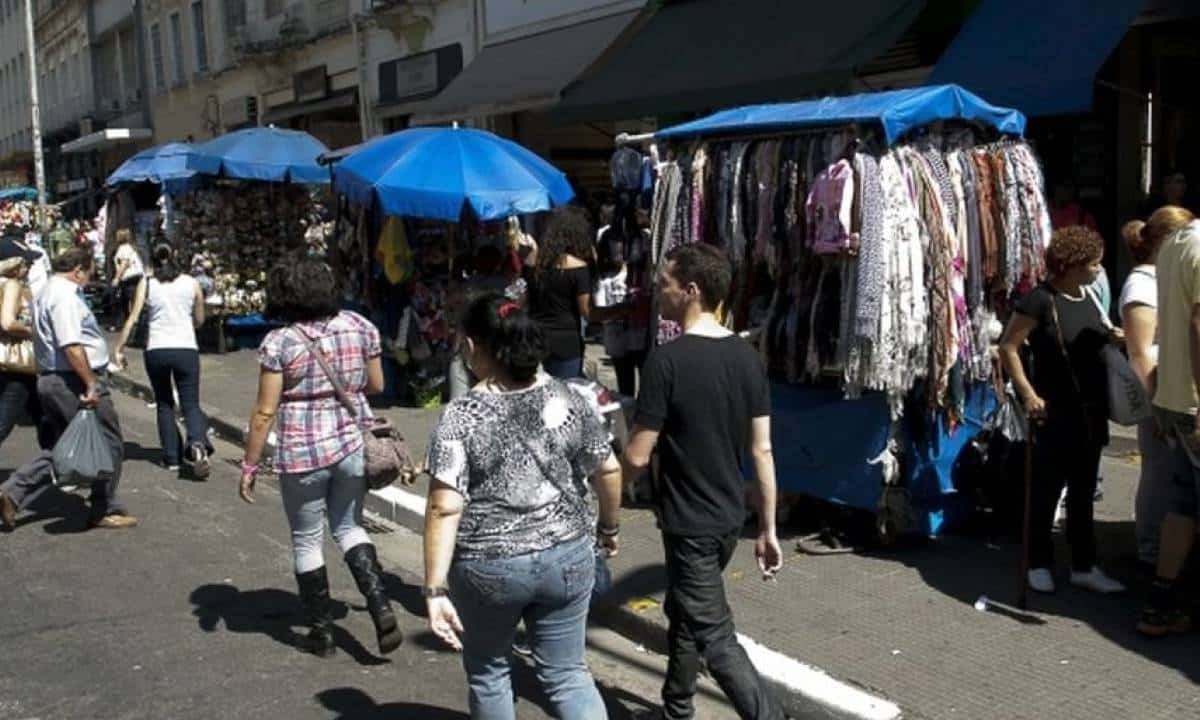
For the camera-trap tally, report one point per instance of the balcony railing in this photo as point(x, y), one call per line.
point(300, 22)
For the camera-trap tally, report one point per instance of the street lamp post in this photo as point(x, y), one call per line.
point(39, 168)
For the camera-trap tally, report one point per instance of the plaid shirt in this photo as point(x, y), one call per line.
point(314, 430)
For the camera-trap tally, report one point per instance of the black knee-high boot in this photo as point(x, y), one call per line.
point(318, 615)
point(368, 575)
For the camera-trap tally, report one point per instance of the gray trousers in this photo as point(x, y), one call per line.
point(59, 394)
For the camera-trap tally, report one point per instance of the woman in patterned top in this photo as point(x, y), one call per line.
point(319, 453)
point(509, 523)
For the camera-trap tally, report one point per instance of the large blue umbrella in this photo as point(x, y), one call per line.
point(170, 162)
point(435, 172)
point(18, 194)
point(268, 154)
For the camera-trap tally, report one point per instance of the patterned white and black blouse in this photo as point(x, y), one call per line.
point(521, 461)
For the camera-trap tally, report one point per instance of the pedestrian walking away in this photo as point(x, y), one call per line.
point(1175, 406)
point(18, 371)
point(510, 533)
point(72, 356)
point(1066, 393)
point(704, 401)
point(128, 272)
point(319, 454)
point(175, 305)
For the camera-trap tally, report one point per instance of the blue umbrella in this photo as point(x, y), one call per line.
point(435, 172)
point(18, 194)
point(268, 154)
point(173, 161)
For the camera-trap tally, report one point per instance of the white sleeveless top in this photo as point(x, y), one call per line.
point(170, 308)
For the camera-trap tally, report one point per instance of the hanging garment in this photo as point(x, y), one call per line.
point(872, 264)
point(393, 251)
point(974, 254)
point(626, 169)
point(828, 210)
point(699, 204)
point(766, 172)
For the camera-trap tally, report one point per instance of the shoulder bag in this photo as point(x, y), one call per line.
point(16, 354)
point(385, 453)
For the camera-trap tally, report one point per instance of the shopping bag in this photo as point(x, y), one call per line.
point(1128, 401)
point(82, 454)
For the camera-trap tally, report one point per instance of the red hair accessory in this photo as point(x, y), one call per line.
point(507, 309)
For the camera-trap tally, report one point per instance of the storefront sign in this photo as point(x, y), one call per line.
point(311, 84)
point(419, 76)
point(502, 16)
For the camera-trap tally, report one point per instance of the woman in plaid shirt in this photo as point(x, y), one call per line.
point(319, 453)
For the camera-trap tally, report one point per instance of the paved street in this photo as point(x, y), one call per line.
point(190, 615)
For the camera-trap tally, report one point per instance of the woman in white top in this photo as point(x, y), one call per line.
point(128, 271)
point(176, 309)
point(1139, 318)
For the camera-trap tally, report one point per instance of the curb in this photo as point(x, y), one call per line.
point(804, 691)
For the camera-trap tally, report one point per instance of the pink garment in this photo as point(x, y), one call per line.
point(829, 207)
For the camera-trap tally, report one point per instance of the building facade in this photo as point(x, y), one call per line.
point(16, 144)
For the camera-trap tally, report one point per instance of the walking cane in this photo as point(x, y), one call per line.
point(1023, 580)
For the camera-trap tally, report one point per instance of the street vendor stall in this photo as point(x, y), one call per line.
point(232, 206)
point(876, 240)
point(419, 203)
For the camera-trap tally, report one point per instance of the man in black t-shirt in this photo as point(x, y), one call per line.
point(704, 402)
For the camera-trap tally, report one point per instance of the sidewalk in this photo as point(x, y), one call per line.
point(899, 623)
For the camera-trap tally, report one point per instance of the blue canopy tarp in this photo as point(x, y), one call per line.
point(267, 153)
point(18, 193)
point(436, 173)
point(898, 111)
point(165, 163)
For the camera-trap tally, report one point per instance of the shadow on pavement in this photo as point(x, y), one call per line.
point(271, 612)
point(354, 704)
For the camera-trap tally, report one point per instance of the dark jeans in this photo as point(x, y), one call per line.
point(18, 397)
point(59, 395)
point(627, 367)
point(179, 369)
point(564, 369)
point(1071, 455)
point(701, 628)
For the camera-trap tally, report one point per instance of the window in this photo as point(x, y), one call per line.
point(199, 37)
point(177, 48)
point(156, 55)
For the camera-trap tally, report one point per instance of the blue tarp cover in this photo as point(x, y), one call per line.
point(18, 193)
point(897, 110)
point(1038, 56)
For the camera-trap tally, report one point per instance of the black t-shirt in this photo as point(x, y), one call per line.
point(1085, 335)
point(701, 393)
point(554, 304)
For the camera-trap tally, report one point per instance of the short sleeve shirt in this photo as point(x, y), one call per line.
point(133, 262)
point(1085, 336)
point(553, 299)
point(701, 394)
point(1141, 288)
point(521, 460)
point(1178, 293)
point(314, 429)
point(61, 318)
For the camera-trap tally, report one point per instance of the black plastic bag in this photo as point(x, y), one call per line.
point(82, 455)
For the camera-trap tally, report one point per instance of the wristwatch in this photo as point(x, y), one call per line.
point(434, 592)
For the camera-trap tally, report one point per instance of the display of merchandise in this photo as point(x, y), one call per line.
point(238, 229)
point(880, 269)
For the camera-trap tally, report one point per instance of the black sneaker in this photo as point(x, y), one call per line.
point(1156, 622)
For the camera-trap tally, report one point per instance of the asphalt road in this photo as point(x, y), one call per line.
point(191, 614)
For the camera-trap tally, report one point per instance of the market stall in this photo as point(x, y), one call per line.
point(231, 207)
point(419, 204)
point(877, 242)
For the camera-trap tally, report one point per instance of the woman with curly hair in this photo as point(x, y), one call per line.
point(1065, 393)
point(560, 290)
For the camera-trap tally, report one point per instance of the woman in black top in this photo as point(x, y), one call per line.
point(560, 290)
point(1065, 393)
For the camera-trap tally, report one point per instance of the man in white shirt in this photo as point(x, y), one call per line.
point(72, 357)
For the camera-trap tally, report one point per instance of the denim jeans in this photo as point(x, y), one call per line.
point(171, 370)
point(1155, 491)
point(701, 628)
point(335, 492)
point(1185, 461)
point(550, 590)
point(564, 369)
point(18, 397)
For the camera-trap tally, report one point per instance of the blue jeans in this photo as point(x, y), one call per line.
point(550, 590)
point(1185, 461)
point(335, 492)
point(564, 369)
point(171, 370)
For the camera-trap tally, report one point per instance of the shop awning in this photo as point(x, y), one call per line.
point(1039, 57)
point(523, 74)
point(102, 139)
point(337, 101)
point(702, 54)
point(898, 111)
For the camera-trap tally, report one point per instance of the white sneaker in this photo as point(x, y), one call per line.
point(1060, 511)
point(1096, 581)
point(1042, 580)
